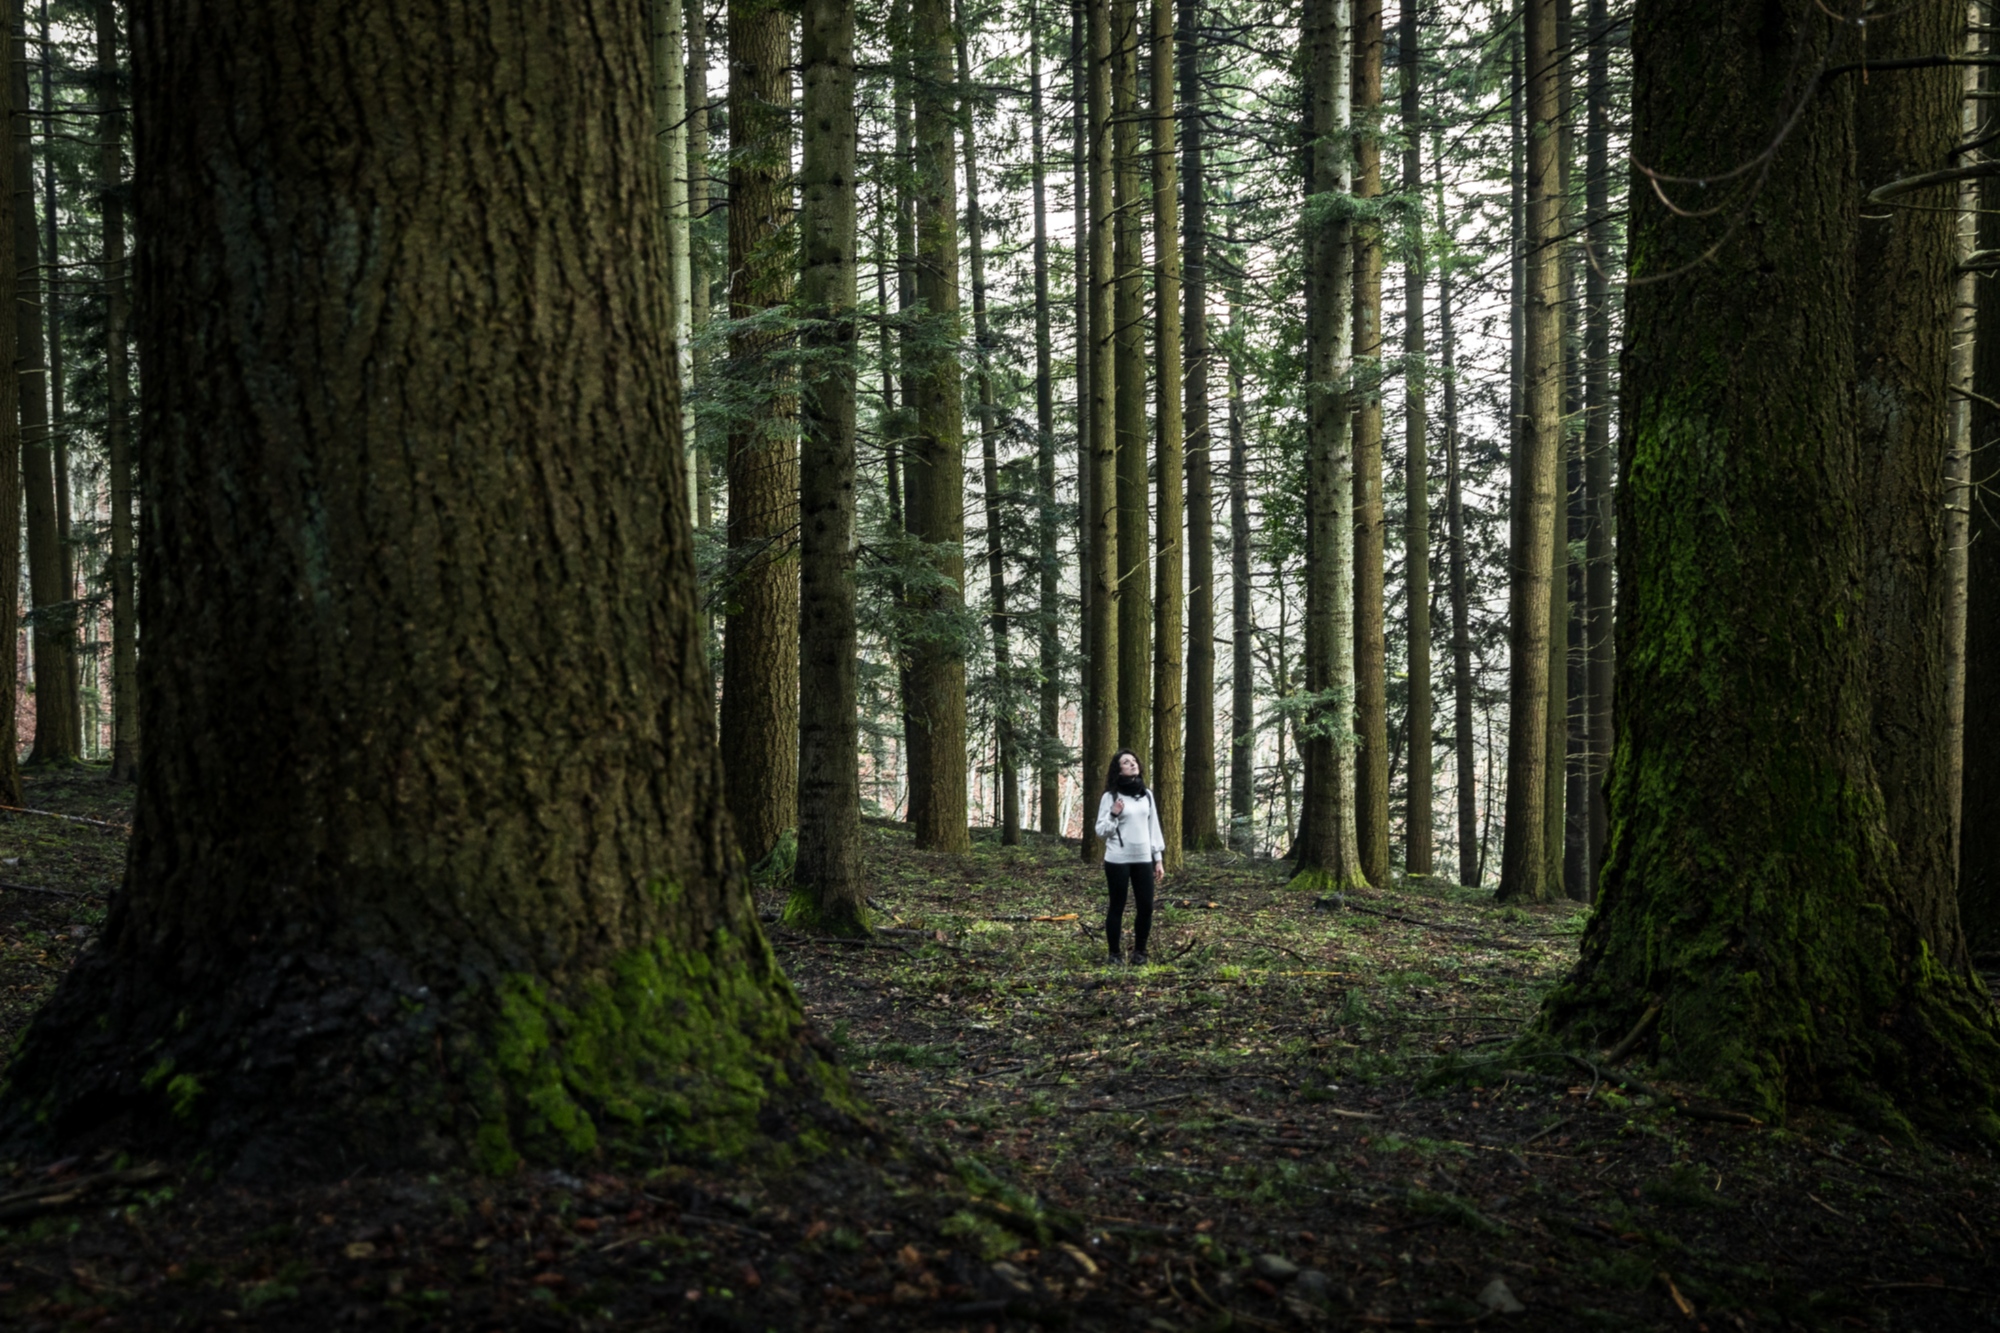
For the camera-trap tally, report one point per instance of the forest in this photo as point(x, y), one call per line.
point(594, 583)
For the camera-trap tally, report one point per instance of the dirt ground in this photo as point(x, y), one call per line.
point(1253, 1132)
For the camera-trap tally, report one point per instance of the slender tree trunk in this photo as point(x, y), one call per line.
point(1242, 625)
point(1530, 870)
point(936, 460)
point(1082, 71)
point(1465, 760)
point(1198, 831)
point(1958, 492)
point(1169, 459)
point(1100, 734)
point(760, 658)
point(10, 486)
point(670, 126)
point(826, 878)
point(1571, 664)
point(58, 408)
point(1416, 466)
point(1597, 454)
point(1979, 837)
point(1049, 791)
point(1906, 287)
point(903, 428)
point(989, 453)
point(1135, 617)
point(1802, 976)
point(55, 697)
point(118, 407)
point(1371, 682)
point(1328, 852)
point(543, 946)
point(700, 269)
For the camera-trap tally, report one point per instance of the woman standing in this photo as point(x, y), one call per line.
point(1128, 819)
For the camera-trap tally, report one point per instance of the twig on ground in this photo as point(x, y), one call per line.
point(74, 819)
point(1635, 1036)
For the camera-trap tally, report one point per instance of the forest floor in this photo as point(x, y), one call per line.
point(1250, 1133)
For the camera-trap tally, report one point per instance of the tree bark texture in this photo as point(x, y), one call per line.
point(10, 497)
point(1979, 796)
point(1048, 567)
point(670, 126)
point(1198, 827)
point(826, 878)
point(1751, 890)
point(1328, 850)
point(1371, 667)
point(429, 860)
point(936, 459)
point(1100, 733)
point(1134, 591)
point(1168, 443)
point(1530, 870)
point(1597, 448)
point(118, 407)
point(58, 382)
point(760, 654)
point(1906, 289)
point(701, 269)
point(1083, 72)
point(1417, 859)
point(53, 636)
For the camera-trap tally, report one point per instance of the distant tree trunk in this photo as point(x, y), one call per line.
point(1134, 593)
point(1242, 624)
point(53, 634)
point(826, 878)
point(1082, 68)
point(1571, 662)
point(1371, 685)
point(989, 453)
point(1752, 891)
point(1465, 760)
point(1530, 870)
point(760, 656)
point(429, 762)
point(670, 129)
point(1417, 859)
point(700, 271)
point(1198, 831)
point(58, 383)
point(1100, 734)
point(1597, 455)
point(936, 461)
point(10, 488)
point(1049, 715)
point(1169, 461)
point(118, 405)
point(903, 428)
point(1328, 853)
point(1906, 288)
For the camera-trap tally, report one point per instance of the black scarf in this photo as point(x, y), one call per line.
point(1131, 786)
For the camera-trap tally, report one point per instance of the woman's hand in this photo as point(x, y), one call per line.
point(1117, 806)
point(1159, 871)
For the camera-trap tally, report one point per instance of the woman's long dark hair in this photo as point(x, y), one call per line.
point(1112, 775)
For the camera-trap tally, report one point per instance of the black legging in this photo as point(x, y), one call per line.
point(1140, 875)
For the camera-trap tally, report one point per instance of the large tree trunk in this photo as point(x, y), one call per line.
point(1979, 796)
point(936, 459)
point(1597, 458)
point(1049, 713)
point(1371, 668)
point(1082, 70)
point(1530, 870)
point(1328, 853)
point(1752, 891)
point(118, 405)
point(1168, 459)
point(1100, 723)
point(1906, 288)
point(1417, 858)
point(760, 655)
point(1134, 591)
point(54, 629)
point(429, 859)
point(1198, 829)
point(826, 877)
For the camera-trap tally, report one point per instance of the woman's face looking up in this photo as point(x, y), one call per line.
point(1128, 765)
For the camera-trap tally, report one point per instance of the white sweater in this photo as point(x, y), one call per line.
point(1134, 835)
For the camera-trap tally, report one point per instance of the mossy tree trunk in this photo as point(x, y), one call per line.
point(1100, 724)
point(1197, 817)
point(1327, 850)
point(826, 878)
point(118, 402)
point(935, 476)
point(1169, 597)
point(1417, 857)
point(429, 860)
point(1371, 666)
point(760, 654)
point(1530, 867)
point(1751, 889)
point(1906, 289)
